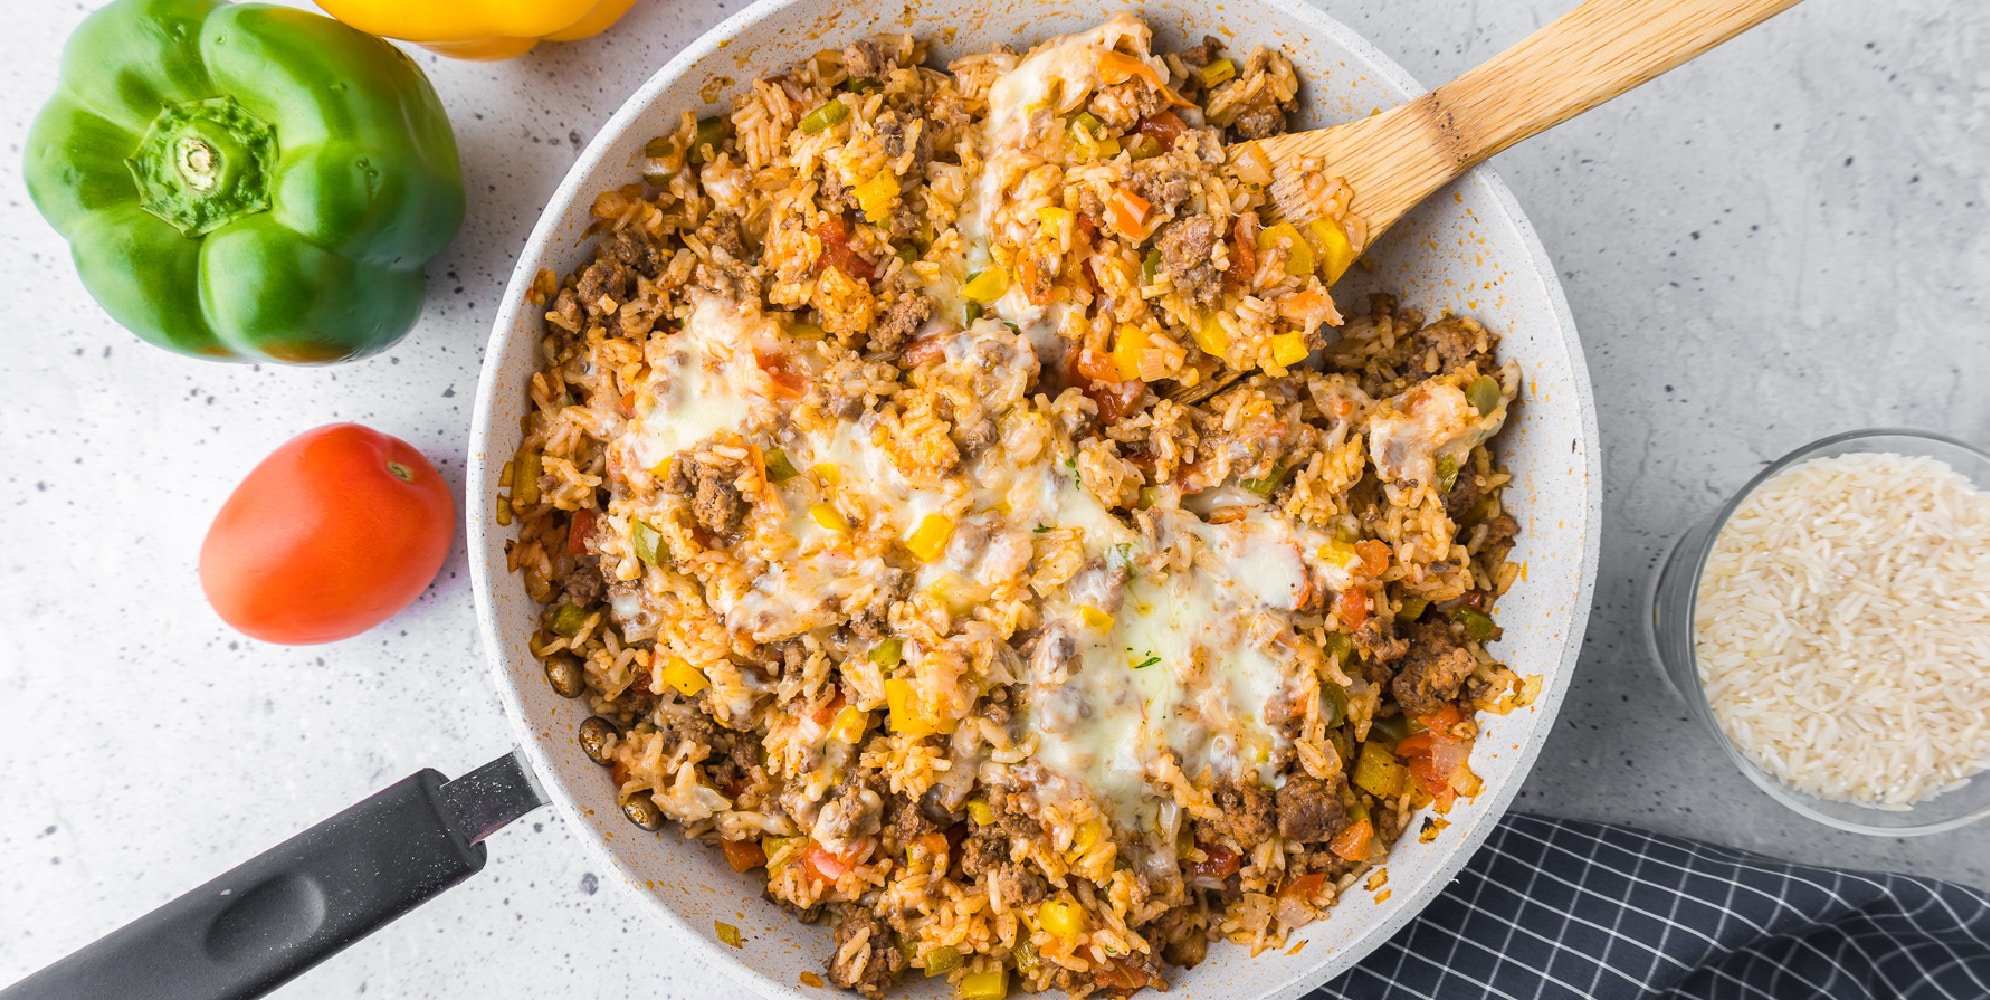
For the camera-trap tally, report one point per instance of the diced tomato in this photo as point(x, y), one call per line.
point(1116, 399)
point(1374, 556)
point(743, 855)
point(1303, 887)
point(827, 712)
point(1097, 366)
point(1087, 225)
point(1117, 67)
point(787, 384)
point(925, 350)
point(1354, 607)
point(581, 530)
point(1445, 720)
point(1356, 842)
point(933, 844)
point(1434, 756)
point(1130, 213)
point(1223, 862)
point(1036, 285)
point(1121, 975)
point(626, 406)
point(1164, 126)
point(1243, 251)
point(819, 862)
point(836, 252)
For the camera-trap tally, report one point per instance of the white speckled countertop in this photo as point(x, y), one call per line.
point(1787, 238)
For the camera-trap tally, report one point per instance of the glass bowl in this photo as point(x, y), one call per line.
point(1675, 589)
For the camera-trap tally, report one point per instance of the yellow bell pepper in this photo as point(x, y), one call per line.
point(1288, 348)
point(1063, 919)
point(989, 984)
point(479, 29)
point(906, 715)
point(1332, 246)
point(1210, 335)
point(1299, 259)
point(875, 196)
point(1127, 349)
point(829, 517)
point(687, 679)
point(929, 540)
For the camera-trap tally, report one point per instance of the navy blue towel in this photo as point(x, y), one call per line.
point(1558, 909)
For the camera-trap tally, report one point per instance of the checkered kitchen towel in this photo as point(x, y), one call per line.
point(1560, 909)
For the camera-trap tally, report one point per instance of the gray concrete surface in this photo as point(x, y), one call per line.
point(1784, 239)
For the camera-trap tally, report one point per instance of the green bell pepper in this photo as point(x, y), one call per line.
point(244, 181)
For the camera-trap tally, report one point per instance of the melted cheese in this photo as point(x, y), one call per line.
point(709, 382)
point(1407, 434)
point(1059, 74)
point(1187, 667)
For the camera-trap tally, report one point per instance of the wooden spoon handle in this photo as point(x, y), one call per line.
point(1600, 49)
point(1579, 60)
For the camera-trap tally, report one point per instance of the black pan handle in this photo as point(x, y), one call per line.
point(290, 908)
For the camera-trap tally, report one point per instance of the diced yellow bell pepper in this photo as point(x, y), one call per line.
point(875, 196)
point(1299, 259)
point(1339, 553)
point(849, 725)
point(827, 472)
point(1054, 222)
point(1088, 835)
point(1063, 919)
point(1094, 618)
point(981, 812)
point(829, 517)
point(1127, 348)
point(907, 715)
point(687, 679)
point(992, 984)
point(1331, 245)
point(1210, 335)
point(987, 286)
point(929, 540)
point(1288, 348)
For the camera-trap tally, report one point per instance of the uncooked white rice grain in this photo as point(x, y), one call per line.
point(1843, 628)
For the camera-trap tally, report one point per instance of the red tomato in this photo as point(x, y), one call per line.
point(743, 855)
point(1164, 126)
point(1116, 399)
point(1303, 887)
point(1243, 252)
point(1223, 862)
point(580, 531)
point(836, 252)
point(825, 866)
point(334, 533)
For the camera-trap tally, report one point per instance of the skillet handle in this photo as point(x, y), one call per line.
point(257, 926)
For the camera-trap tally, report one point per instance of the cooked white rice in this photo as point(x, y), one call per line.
point(1843, 628)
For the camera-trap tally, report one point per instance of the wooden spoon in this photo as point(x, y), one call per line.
point(1396, 159)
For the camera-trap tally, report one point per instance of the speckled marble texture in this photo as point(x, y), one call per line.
point(1787, 238)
